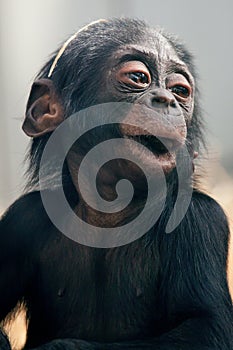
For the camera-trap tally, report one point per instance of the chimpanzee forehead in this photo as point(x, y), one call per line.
point(158, 51)
point(156, 46)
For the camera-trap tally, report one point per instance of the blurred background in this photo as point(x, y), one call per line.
point(31, 30)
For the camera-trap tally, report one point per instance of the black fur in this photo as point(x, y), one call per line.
point(161, 292)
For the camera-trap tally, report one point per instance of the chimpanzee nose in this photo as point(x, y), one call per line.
point(159, 98)
point(162, 97)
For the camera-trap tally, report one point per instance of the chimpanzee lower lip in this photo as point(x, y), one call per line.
point(158, 146)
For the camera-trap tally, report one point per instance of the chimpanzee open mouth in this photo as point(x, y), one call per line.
point(158, 146)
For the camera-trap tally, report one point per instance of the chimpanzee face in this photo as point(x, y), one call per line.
point(161, 90)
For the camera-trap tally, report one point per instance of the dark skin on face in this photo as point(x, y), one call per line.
point(162, 291)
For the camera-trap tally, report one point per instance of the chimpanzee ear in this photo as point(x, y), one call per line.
point(44, 110)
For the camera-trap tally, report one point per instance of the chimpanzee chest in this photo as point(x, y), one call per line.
point(99, 294)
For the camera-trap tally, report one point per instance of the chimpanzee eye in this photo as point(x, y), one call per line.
point(139, 78)
point(134, 74)
point(179, 85)
point(181, 91)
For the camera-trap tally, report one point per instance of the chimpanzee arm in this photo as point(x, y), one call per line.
point(194, 286)
point(194, 294)
point(16, 267)
point(4, 342)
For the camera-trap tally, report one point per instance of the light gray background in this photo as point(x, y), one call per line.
point(31, 30)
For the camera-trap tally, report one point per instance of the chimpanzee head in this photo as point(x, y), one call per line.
point(120, 60)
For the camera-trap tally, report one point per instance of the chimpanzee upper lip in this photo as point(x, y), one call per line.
point(156, 144)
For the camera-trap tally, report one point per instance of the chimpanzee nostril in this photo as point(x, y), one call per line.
point(162, 97)
point(173, 103)
point(159, 99)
